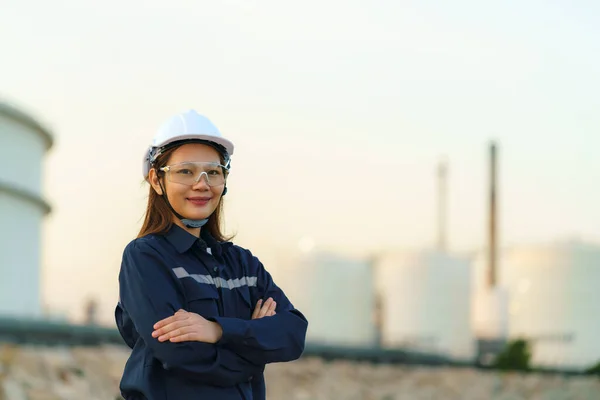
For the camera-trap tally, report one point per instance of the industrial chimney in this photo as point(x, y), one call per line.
point(490, 312)
point(492, 234)
point(442, 174)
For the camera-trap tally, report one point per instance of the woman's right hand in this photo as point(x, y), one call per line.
point(266, 309)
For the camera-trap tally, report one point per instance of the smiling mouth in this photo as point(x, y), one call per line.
point(199, 200)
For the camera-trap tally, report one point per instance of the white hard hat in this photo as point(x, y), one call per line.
point(185, 126)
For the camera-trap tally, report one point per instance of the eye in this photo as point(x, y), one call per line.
point(214, 172)
point(183, 171)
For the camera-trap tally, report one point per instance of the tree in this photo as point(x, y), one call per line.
point(516, 356)
point(595, 370)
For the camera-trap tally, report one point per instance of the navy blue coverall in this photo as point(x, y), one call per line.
point(222, 282)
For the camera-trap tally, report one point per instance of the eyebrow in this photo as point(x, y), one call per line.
point(195, 162)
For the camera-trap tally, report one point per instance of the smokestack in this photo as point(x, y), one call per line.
point(493, 193)
point(442, 174)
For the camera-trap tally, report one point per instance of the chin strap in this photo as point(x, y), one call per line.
point(190, 223)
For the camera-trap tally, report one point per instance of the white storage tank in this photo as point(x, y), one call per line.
point(337, 296)
point(426, 302)
point(23, 144)
point(489, 316)
point(555, 301)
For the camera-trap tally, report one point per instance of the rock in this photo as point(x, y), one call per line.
point(12, 390)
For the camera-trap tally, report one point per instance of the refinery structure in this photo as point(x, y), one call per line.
point(22, 208)
point(429, 300)
point(437, 302)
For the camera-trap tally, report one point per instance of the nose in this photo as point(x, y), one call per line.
point(202, 182)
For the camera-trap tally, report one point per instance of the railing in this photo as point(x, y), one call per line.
point(24, 331)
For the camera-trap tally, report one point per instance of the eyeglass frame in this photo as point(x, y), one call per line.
point(167, 168)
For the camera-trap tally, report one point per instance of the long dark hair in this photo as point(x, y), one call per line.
point(159, 217)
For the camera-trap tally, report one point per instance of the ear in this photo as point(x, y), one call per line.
point(153, 179)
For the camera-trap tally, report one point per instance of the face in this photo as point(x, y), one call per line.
point(197, 201)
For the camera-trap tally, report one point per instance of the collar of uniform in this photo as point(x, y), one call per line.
point(215, 246)
point(181, 239)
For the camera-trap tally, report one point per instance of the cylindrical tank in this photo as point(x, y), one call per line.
point(23, 142)
point(555, 301)
point(489, 316)
point(426, 302)
point(336, 294)
point(490, 313)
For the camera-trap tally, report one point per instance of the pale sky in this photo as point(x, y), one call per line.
point(339, 111)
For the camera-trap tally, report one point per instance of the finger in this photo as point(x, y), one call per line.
point(176, 317)
point(168, 328)
point(273, 306)
point(265, 308)
point(271, 313)
point(186, 337)
point(166, 321)
point(257, 309)
point(174, 333)
point(172, 326)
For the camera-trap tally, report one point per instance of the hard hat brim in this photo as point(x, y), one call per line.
point(209, 138)
point(227, 144)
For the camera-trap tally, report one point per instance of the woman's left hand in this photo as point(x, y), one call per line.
point(186, 326)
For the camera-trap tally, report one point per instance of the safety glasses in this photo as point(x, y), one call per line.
point(190, 173)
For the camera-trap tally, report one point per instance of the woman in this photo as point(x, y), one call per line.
point(203, 317)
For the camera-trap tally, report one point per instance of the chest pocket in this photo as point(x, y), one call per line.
point(201, 298)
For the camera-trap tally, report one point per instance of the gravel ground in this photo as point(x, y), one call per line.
point(74, 373)
point(313, 379)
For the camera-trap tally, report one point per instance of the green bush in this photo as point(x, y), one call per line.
point(595, 370)
point(516, 356)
